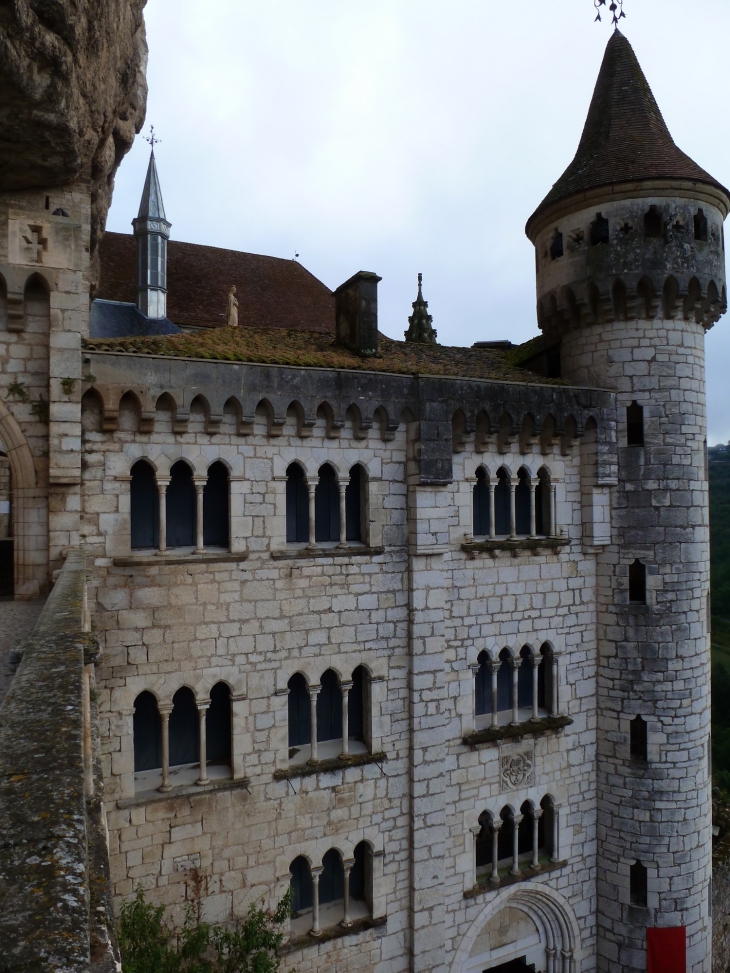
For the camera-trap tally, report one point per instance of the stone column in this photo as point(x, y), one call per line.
point(313, 694)
point(555, 853)
point(316, 873)
point(536, 661)
point(199, 487)
point(553, 509)
point(536, 815)
point(202, 711)
point(475, 831)
point(517, 821)
point(165, 711)
point(346, 686)
point(496, 825)
point(515, 663)
point(311, 486)
point(533, 518)
point(553, 684)
point(343, 513)
point(494, 669)
point(162, 486)
point(550, 953)
point(492, 523)
point(347, 864)
point(512, 514)
point(474, 669)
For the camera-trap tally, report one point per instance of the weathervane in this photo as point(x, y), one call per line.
point(153, 140)
point(616, 7)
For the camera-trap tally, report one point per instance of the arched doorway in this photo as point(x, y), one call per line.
point(28, 513)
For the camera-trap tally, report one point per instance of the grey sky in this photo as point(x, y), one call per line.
point(408, 135)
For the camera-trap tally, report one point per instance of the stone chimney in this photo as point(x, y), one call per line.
point(356, 313)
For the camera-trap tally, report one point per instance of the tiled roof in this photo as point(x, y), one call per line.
point(625, 138)
point(113, 319)
point(271, 292)
point(272, 346)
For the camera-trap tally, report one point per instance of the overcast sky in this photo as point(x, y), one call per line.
point(408, 135)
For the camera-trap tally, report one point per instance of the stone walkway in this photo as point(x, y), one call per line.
point(17, 621)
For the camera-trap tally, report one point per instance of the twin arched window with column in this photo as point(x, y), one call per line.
point(504, 506)
point(516, 841)
point(523, 686)
point(194, 512)
point(330, 511)
point(338, 711)
point(337, 892)
point(188, 742)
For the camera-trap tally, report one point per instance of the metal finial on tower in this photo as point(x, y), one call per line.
point(420, 323)
point(616, 7)
point(152, 138)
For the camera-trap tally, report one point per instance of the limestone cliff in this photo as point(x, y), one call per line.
point(72, 93)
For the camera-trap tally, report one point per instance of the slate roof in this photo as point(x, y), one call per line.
point(113, 319)
point(271, 292)
point(274, 346)
point(151, 206)
point(625, 138)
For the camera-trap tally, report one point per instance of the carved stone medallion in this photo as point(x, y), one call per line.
point(516, 765)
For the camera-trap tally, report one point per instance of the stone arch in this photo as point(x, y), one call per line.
point(28, 508)
point(556, 930)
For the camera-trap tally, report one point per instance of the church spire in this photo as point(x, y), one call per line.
point(420, 323)
point(152, 231)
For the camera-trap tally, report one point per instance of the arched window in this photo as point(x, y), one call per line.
point(547, 828)
point(184, 729)
point(361, 880)
point(522, 502)
point(653, 225)
point(301, 886)
point(332, 879)
point(505, 842)
point(556, 246)
point(599, 230)
point(635, 424)
point(637, 583)
point(297, 505)
point(181, 506)
point(525, 833)
point(700, 226)
point(504, 682)
point(544, 677)
point(144, 507)
point(300, 718)
point(483, 686)
point(218, 725)
point(501, 502)
point(326, 506)
point(638, 890)
point(481, 505)
point(525, 675)
point(216, 531)
point(484, 842)
point(543, 526)
point(357, 704)
point(329, 707)
point(147, 730)
point(638, 740)
point(355, 506)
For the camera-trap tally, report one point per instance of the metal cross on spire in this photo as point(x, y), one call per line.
point(616, 7)
point(152, 138)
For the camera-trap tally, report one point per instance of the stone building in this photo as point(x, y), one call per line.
point(417, 631)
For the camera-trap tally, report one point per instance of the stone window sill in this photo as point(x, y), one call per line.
point(354, 550)
point(515, 545)
point(492, 734)
point(484, 886)
point(185, 790)
point(147, 559)
point(333, 932)
point(325, 766)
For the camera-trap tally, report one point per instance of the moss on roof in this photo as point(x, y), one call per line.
point(274, 346)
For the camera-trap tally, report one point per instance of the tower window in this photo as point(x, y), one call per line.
point(144, 506)
point(635, 424)
point(355, 505)
point(480, 525)
point(637, 583)
point(599, 230)
point(300, 719)
point(638, 738)
point(297, 505)
point(556, 245)
point(215, 507)
point(181, 507)
point(653, 224)
point(638, 884)
point(327, 506)
point(700, 221)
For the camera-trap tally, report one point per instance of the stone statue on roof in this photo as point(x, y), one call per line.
point(420, 323)
point(232, 309)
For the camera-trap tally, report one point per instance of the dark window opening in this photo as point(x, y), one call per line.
point(637, 734)
point(505, 841)
point(524, 830)
point(48, 202)
point(552, 362)
point(653, 224)
point(599, 230)
point(522, 503)
point(546, 828)
point(297, 505)
point(216, 531)
point(501, 503)
point(637, 583)
point(638, 884)
point(356, 705)
point(300, 714)
point(700, 222)
point(544, 675)
point(144, 507)
point(359, 879)
point(327, 506)
point(525, 676)
point(332, 879)
point(181, 507)
point(635, 424)
point(329, 708)
point(301, 885)
point(481, 505)
point(504, 682)
point(184, 729)
point(147, 731)
point(354, 505)
point(556, 245)
point(483, 686)
point(484, 841)
point(542, 504)
point(218, 725)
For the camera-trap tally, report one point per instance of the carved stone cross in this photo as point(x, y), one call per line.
point(36, 243)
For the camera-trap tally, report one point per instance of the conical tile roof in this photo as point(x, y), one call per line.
point(151, 206)
point(625, 138)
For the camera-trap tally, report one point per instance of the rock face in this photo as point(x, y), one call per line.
point(72, 94)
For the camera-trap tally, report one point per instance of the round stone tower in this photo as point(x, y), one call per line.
point(630, 274)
